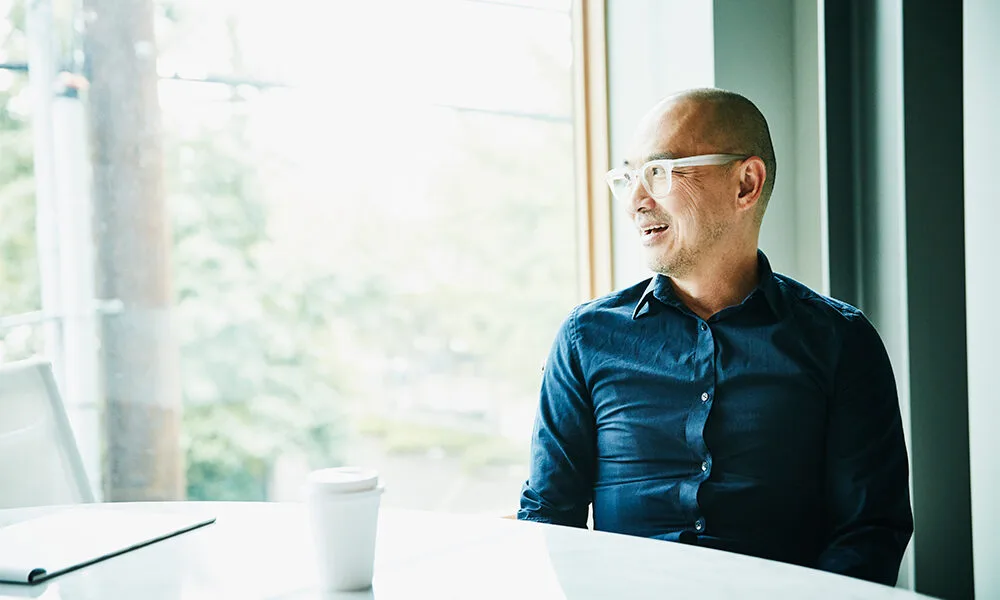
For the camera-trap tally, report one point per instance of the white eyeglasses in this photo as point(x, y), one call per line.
point(656, 174)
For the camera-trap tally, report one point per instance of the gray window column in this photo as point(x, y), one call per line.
point(897, 243)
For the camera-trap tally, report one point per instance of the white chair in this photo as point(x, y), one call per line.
point(39, 460)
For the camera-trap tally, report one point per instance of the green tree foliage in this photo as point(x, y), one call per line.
point(421, 276)
point(19, 264)
point(19, 280)
point(256, 380)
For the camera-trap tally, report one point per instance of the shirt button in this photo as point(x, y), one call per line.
point(699, 525)
point(704, 466)
point(704, 397)
point(704, 326)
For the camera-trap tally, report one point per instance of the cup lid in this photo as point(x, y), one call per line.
point(344, 479)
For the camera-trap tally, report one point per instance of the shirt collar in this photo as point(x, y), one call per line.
point(768, 283)
point(659, 287)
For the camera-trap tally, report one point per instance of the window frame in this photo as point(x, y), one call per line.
point(590, 93)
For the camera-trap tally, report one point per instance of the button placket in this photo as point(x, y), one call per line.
point(705, 349)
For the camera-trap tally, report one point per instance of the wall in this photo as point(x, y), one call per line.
point(759, 54)
point(812, 264)
point(982, 251)
point(656, 48)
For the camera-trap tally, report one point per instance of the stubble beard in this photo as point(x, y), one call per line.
point(684, 260)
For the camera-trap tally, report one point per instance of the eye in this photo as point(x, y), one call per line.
point(657, 172)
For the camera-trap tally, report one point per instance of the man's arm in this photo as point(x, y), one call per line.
point(867, 474)
point(563, 447)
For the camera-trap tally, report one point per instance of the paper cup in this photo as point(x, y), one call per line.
point(343, 508)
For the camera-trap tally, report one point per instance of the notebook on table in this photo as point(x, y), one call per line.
point(38, 549)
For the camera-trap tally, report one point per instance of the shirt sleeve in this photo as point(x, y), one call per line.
point(563, 445)
point(867, 475)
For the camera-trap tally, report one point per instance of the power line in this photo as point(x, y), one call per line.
point(262, 84)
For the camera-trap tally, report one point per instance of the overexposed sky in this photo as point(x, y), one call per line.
point(455, 52)
point(372, 86)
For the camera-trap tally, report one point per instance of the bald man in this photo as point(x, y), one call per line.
point(719, 403)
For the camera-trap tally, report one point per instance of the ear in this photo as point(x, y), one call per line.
point(752, 174)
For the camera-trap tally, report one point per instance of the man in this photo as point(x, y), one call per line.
point(719, 403)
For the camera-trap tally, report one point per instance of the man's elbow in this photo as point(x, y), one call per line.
point(873, 554)
point(535, 508)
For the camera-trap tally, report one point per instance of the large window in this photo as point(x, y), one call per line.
point(321, 233)
point(19, 274)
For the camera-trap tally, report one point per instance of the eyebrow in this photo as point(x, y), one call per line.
point(654, 156)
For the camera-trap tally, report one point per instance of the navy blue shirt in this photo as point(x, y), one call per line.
point(771, 429)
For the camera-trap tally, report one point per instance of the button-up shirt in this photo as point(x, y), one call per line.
point(771, 429)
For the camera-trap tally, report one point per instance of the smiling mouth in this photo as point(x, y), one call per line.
point(653, 230)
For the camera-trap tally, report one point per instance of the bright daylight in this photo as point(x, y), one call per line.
point(355, 252)
point(499, 299)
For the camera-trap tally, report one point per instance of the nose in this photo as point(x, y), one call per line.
point(639, 199)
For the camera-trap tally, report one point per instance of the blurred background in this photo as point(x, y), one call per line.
point(256, 238)
point(320, 236)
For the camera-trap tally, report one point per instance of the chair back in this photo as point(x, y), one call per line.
point(40, 463)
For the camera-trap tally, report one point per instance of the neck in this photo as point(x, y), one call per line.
point(719, 282)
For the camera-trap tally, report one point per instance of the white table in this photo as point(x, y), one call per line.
point(264, 551)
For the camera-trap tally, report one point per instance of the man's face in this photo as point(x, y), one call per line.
point(693, 220)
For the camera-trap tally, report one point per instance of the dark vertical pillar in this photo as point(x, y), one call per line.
point(935, 268)
point(841, 149)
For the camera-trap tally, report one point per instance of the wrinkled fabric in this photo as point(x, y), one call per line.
point(771, 429)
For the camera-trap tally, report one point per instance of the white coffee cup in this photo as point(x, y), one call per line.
point(343, 515)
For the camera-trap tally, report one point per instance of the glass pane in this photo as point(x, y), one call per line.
point(19, 275)
point(13, 41)
point(344, 233)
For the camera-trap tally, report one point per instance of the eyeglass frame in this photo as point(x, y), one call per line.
point(699, 160)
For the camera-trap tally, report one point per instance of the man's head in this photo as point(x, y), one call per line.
point(711, 210)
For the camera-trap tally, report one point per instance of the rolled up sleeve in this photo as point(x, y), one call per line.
point(559, 488)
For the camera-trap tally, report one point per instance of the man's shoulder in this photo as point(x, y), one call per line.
point(595, 318)
point(801, 298)
point(620, 302)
